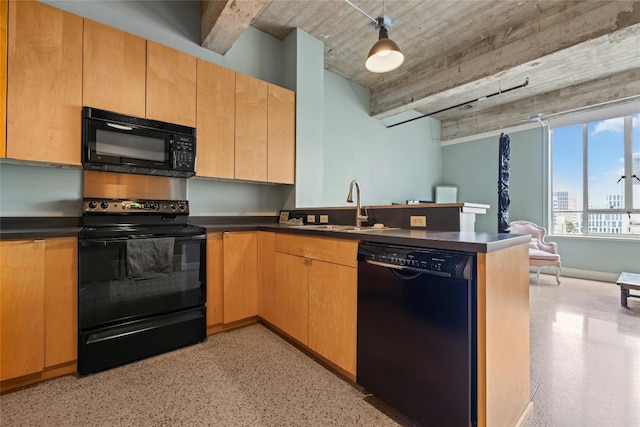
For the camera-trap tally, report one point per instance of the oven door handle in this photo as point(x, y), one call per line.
point(115, 240)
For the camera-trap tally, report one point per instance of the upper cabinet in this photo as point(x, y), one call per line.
point(216, 102)
point(265, 131)
point(171, 85)
point(281, 135)
point(3, 77)
point(251, 128)
point(44, 84)
point(114, 69)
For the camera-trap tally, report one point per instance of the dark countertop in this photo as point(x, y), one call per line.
point(30, 228)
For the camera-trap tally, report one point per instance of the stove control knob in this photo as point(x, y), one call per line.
point(172, 206)
point(104, 205)
point(92, 204)
point(182, 206)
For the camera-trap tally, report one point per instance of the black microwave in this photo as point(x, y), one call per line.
point(116, 142)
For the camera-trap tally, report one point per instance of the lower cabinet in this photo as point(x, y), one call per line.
point(38, 303)
point(240, 275)
point(315, 295)
point(333, 297)
point(215, 283)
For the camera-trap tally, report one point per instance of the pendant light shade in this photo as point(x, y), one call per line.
point(385, 55)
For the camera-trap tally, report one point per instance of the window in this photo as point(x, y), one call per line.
point(595, 181)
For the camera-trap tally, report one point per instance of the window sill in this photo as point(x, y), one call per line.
point(608, 238)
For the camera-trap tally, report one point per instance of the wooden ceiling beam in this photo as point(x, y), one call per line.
point(222, 22)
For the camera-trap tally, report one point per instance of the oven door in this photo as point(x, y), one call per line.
point(113, 291)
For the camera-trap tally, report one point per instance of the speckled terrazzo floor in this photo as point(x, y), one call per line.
point(247, 377)
point(585, 371)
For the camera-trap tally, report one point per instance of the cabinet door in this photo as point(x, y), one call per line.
point(251, 128)
point(3, 77)
point(114, 69)
point(332, 313)
point(240, 275)
point(21, 307)
point(266, 280)
point(171, 85)
point(281, 160)
point(292, 296)
point(215, 285)
point(216, 103)
point(61, 301)
point(44, 86)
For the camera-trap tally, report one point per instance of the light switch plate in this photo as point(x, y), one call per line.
point(324, 219)
point(418, 220)
point(311, 219)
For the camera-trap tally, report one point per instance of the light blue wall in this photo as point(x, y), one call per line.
point(332, 120)
point(391, 165)
point(473, 167)
point(40, 191)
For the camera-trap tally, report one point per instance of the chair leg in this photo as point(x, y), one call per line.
point(538, 272)
point(558, 275)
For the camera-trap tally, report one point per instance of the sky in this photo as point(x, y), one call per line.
point(605, 155)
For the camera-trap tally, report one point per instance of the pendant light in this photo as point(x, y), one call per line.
point(385, 55)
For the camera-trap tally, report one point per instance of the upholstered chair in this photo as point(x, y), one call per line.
point(541, 253)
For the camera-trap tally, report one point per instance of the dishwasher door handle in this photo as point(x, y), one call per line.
point(398, 269)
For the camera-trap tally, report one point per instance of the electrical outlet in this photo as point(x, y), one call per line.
point(324, 219)
point(418, 220)
point(311, 219)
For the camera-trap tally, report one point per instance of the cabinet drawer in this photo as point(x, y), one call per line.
point(335, 251)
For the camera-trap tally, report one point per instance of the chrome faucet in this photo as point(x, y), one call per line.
point(359, 217)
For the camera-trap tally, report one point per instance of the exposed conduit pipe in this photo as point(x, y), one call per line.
point(500, 92)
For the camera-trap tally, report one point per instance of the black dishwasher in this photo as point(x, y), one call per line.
point(417, 332)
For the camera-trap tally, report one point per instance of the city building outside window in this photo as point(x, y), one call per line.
point(595, 177)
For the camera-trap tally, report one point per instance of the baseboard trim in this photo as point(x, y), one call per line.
point(589, 275)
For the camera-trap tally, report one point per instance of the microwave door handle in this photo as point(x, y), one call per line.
point(174, 160)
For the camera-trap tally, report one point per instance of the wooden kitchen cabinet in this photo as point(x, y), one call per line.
point(114, 69)
point(316, 295)
point(22, 305)
point(251, 128)
point(38, 289)
point(216, 102)
point(281, 135)
point(44, 84)
point(215, 283)
point(171, 85)
point(292, 295)
point(333, 297)
point(61, 301)
point(4, 11)
point(266, 276)
point(240, 266)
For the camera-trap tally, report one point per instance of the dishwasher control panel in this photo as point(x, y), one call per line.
point(431, 261)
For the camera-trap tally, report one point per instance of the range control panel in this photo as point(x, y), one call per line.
point(119, 206)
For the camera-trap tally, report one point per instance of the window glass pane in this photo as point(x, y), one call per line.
point(605, 156)
point(567, 179)
point(635, 147)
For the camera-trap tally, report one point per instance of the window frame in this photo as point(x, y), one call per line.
point(626, 112)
